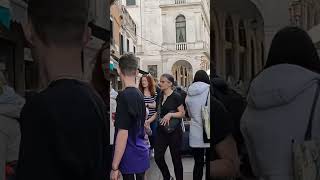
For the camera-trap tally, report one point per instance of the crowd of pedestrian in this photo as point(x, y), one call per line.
point(61, 132)
point(143, 113)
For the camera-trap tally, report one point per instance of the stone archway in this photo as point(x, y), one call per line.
point(183, 73)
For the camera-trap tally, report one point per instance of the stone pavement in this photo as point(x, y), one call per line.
point(154, 173)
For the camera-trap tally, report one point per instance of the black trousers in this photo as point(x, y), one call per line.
point(173, 140)
point(201, 158)
point(132, 176)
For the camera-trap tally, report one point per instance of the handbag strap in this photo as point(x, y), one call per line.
point(207, 97)
point(309, 129)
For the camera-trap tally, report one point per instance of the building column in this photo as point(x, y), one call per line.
point(179, 76)
point(223, 47)
point(236, 47)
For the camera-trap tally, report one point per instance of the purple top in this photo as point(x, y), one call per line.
point(130, 115)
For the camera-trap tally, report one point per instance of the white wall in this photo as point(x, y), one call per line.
point(158, 26)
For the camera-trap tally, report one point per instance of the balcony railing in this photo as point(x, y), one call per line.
point(180, 1)
point(181, 46)
point(202, 46)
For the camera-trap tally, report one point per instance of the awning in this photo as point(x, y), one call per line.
point(5, 16)
point(113, 64)
point(143, 72)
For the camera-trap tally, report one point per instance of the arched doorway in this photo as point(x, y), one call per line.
point(229, 51)
point(243, 51)
point(183, 73)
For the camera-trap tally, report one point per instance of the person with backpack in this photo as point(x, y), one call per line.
point(198, 95)
point(284, 110)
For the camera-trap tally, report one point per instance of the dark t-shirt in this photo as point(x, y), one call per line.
point(131, 115)
point(64, 134)
point(171, 104)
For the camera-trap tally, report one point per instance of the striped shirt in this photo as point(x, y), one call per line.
point(150, 100)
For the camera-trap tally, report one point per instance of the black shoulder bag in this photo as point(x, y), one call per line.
point(174, 122)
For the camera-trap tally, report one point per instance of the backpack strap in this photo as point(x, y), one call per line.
point(309, 129)
point(207, 97)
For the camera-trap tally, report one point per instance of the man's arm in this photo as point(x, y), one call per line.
point(120, 146)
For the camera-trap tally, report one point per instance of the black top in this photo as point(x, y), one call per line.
point(171, 104)
point(64, 134)
point(131, 110)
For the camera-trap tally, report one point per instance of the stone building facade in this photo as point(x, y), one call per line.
point(173, 36)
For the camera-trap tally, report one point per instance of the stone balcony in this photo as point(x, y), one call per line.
point(202, 46)
point(178, 2)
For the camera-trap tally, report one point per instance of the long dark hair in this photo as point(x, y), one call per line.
point(293, 45)
point(201, 76)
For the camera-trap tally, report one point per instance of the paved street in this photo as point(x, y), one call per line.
point(155, 174)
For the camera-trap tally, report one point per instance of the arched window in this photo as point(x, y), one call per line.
point(229, 30)
point(242, 66)
point(181, 76)
point(181, 29)
point(229, 53)
point(176, 75)
point(262, 55)
point(252, 60)
point(242, 34)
